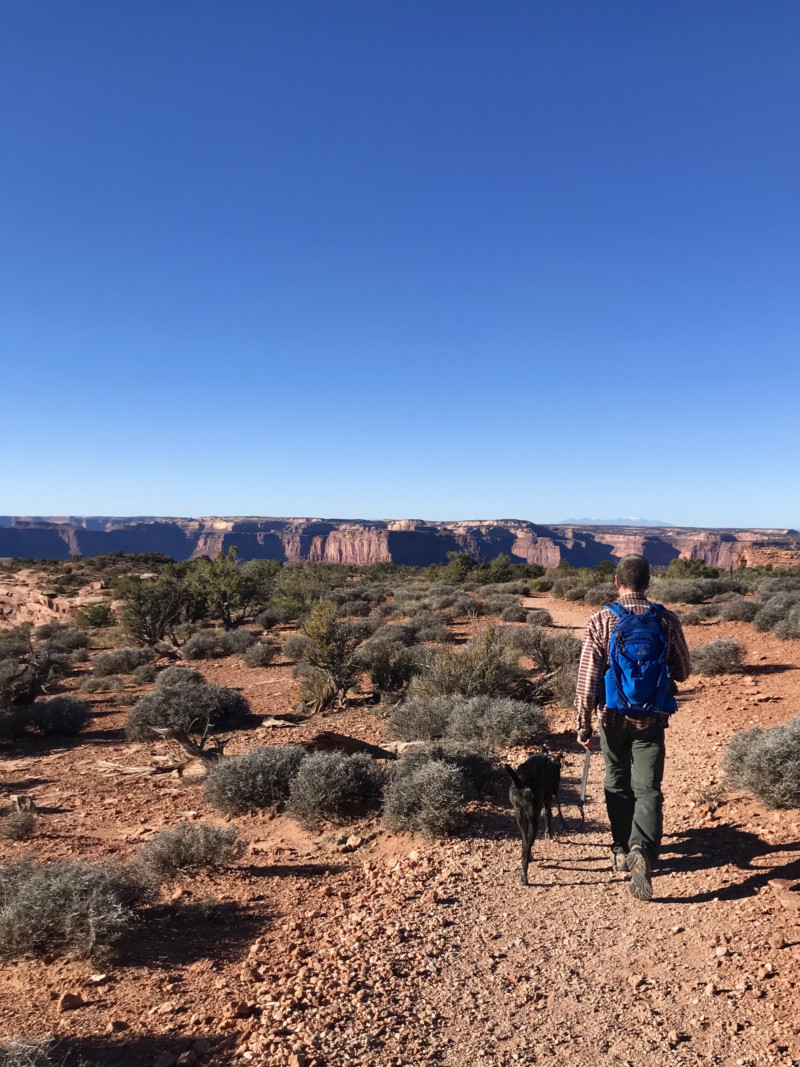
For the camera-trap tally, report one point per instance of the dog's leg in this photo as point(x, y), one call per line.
point(548, 818)
point(528, 835)
point(560, 815)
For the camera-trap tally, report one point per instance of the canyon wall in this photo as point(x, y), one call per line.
point(405, 541)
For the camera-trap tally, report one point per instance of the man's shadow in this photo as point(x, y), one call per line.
point(704, 847)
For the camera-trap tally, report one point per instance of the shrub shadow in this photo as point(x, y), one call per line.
point(136, 1050)
point(176, 935)
point(701, 848)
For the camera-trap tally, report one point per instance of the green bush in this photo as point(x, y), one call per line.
point(120, 661)
point(390, 664)
point(260, 779)
point(722, 656)
point(191, 847)
point(334, 785)
point(426, 796)
point(193, 708)
point(94, 616)
point(260, 654)
point(780, 608)
point(69, 907)
point(577, 592)
point(766, 763)
point(539, 617)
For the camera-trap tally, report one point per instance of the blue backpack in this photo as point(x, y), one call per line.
point(637, 679)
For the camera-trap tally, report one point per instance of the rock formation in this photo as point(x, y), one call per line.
point(406, 541)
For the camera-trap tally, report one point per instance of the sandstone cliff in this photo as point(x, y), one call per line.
point(406, 541)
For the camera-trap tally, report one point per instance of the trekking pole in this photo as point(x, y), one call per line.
point(584, 780)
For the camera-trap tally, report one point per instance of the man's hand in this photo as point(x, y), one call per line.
point(588, 744)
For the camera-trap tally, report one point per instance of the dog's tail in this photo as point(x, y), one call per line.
point(513, 776)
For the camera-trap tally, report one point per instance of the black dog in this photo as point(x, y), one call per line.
point(534, 785)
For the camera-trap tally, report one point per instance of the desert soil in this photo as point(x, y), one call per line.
point(394, 950)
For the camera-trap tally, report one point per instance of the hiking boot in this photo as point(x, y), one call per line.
point(619, 861)
point(641, 870)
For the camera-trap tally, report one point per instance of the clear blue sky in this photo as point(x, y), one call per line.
point(377, 259)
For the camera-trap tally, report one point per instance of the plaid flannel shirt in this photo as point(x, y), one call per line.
point(594, 664)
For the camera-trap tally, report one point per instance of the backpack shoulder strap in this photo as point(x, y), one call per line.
point(616, 609)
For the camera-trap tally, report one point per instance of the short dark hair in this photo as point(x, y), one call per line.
point(633, 573)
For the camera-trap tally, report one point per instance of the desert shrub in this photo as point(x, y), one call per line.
point(740, 610)
point(20, 1052)
point(120, 661)
point(722, 656)
point(779, 607)
point(680, 593)
point(78, 655)
point(205, 645)
point(539, 617)
point(484, 666)
point(543, 585)
point(26, 671)
point(788, 629)
point(549, 652)
point(576, 592)
point(513, 613)
point(766, 763)
point(94, 616)
point(427, 796)
point(724, 598)
point(334, 785)
point(62, 638)
point(783, 583)
point(18, 826)
point(60, 716)
point(90, 684)
point(172, 677)
point(331, 651)
point(390, 664)
point(146, 674)
point(430, 627)
point(483, 720)
point(476, 762)
point(420, 720)
point(603, 593)
point(354, 609)
point(193, 708)
point(495, 721)
point(70, 907)
point(261, 778)
point(559, 587)
point(700, 614)
point(294, 646)
point(191, 847)
point(496, 603)
point(259, 654)
point(14, 721)
point(563, 685)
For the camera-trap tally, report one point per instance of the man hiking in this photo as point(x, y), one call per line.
point(633, 654)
